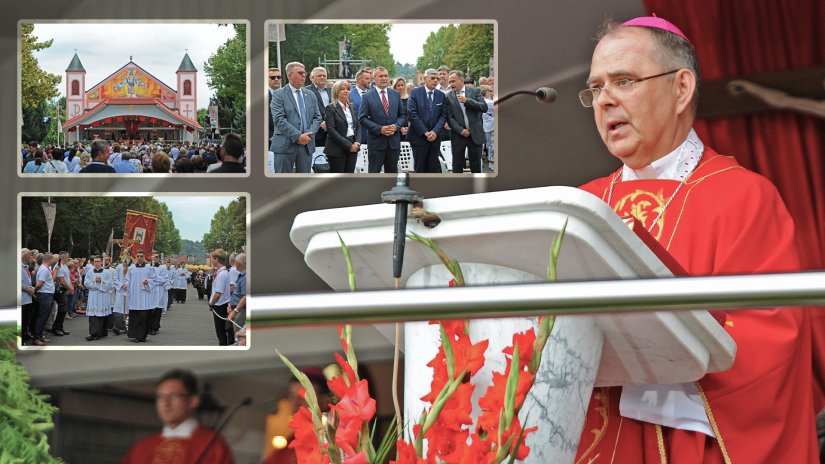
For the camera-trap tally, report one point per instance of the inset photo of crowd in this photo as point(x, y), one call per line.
point(381, 98)
point(133, 98)
point(133, 271)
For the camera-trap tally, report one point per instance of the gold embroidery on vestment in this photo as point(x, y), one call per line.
point(598, 434)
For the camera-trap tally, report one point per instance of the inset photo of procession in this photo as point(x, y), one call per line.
point(131, 271)
point(377, 97)
point(115, 98)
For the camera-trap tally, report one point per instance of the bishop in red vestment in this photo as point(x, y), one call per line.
point(714, 217)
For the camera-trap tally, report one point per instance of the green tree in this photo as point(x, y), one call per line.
point(226, 74)
point(371, 42)
point(408, 71)
point(34, 127)
point(228, 228)
point(471, 49)
point(310, 43)
point(36, 85)
point(307, 43)
point(25, 414)
point(436, 46)
point(83, 224)
point(196, 249)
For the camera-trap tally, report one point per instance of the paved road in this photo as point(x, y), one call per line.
point(188, 324)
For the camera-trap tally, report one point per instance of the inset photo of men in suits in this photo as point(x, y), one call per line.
point(297, 117)
point(382, 115)
point(427, 114)
point(465, 105)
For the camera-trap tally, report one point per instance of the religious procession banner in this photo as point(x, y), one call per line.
point(140, 231)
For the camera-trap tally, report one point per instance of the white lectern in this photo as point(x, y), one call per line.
point(505, 237)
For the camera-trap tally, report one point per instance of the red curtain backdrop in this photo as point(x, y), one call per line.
point(734, 38)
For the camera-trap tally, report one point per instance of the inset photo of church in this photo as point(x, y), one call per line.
point(129, 272)
point(127, 98)
point(381, 98)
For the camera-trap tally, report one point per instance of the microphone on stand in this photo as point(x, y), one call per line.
point(542, 94)
point(244, 402)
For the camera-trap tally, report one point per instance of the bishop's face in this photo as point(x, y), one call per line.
point(638, 125)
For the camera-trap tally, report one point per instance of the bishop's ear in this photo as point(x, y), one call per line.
point(685, 87)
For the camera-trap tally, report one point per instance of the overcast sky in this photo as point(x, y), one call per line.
point(193, 214)
point(407, 41)
point(105, 48)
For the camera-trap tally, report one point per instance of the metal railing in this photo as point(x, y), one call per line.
point(565, 298)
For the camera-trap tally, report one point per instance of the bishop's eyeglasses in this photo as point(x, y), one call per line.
point(618, 88)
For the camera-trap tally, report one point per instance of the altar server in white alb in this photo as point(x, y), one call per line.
point(139, 299)
point(119, 307)
point(159, 294)
point(109, 270)
point(182, 275)
point(97, 308)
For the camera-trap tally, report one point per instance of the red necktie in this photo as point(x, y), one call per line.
point(384, 101)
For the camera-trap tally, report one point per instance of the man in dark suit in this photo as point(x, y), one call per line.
point(100, 154)
point(363, 79)
point(274, 84)
point(427, 113)
point(319, 87)
point(465, 105)
point(382, 115)
point(297, 117)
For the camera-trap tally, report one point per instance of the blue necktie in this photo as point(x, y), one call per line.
point(303, 109)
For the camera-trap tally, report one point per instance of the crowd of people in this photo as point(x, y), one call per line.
point(100, 156)
point(323, 126)
point(130, 299)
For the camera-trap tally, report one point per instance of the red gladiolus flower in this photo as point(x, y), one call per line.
point(356, 404)
point(305, 442)
point(340, 384)
point(341, 337)
point(492, 403)
point(354, 407)
point(514, 431)
point(525, 341)
point(406, 454)
point(453, 328)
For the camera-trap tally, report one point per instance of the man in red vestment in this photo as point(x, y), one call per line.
point(714, 217)
point(183, 440)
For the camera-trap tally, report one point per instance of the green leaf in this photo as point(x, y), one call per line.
point(348, 259)
point(448, 351)
point(512, 386)
point(555, 249)
point(452, 265)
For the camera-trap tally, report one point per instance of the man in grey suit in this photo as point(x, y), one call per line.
point(465, 105)
point(297, 117)
point(319, 87)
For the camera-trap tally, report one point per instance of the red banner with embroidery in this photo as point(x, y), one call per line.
point(140, 231)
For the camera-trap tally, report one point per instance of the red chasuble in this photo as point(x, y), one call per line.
point(724, 220)
point(155, 449)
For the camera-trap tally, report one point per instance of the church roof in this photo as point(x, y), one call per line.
point(142, 107)
point(76, 65)
point(186, 64)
